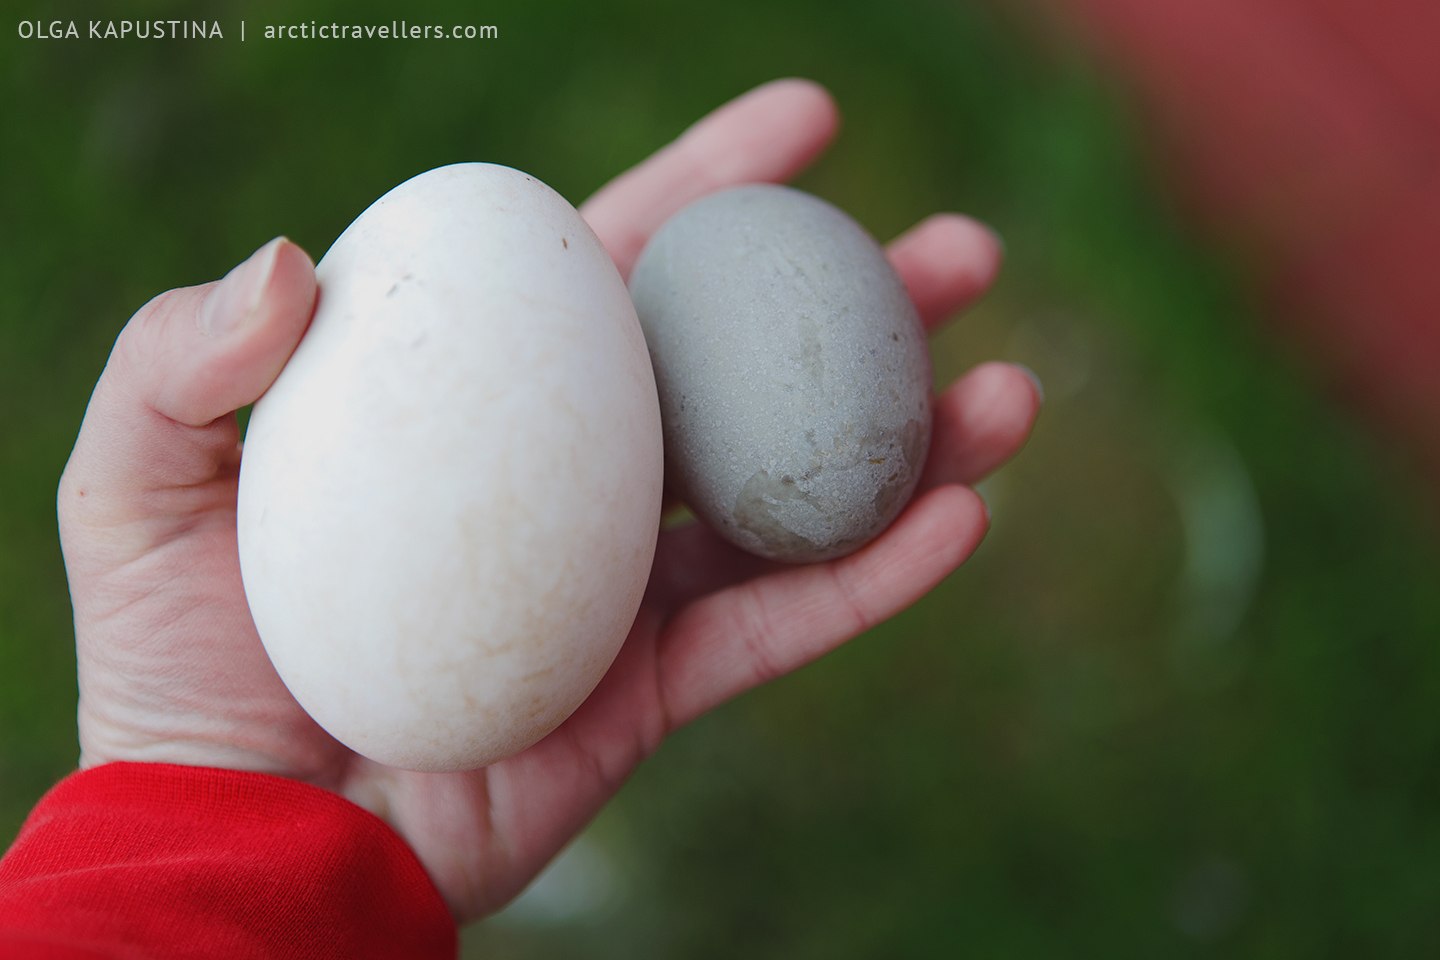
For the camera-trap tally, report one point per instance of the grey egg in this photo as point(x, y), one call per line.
point(793, 374)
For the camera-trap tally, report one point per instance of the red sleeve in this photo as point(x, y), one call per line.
point(158, 861)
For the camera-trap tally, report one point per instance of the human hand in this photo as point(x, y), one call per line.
point(172, 670)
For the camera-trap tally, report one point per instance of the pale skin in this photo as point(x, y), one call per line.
point(171, 669)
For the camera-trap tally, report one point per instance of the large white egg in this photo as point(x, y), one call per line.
point(450, 497)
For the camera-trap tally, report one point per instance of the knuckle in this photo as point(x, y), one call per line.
point(753, 628)
point(67, 494)
point(707, 170)
point(848, 599)
point(139, 337)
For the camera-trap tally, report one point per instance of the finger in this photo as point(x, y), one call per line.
point(199, 353)
point(981, 421)
point(756, 631)
point(186, 359)
point(769, 134)
point(947, 262)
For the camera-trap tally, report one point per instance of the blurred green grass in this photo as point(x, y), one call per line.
point(1184, 700)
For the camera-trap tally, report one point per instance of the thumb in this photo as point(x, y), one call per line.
point(198, 353)
point(156, 426)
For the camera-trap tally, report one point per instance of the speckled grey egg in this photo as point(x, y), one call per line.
point(793, 374)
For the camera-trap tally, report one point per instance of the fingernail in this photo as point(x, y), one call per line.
point(1034, 378)
point(236, 298)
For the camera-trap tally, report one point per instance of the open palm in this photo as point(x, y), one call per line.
point(171, 669)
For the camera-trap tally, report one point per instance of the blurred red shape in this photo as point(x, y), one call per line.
point(1307, 134)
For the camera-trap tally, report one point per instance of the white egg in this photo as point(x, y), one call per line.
point(450, 497)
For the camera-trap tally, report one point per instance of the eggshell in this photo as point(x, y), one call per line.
point(449, 499)
point(793, 373)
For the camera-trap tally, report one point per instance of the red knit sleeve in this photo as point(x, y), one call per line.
point(158, 861)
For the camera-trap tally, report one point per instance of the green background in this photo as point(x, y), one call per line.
point(1185, 701)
